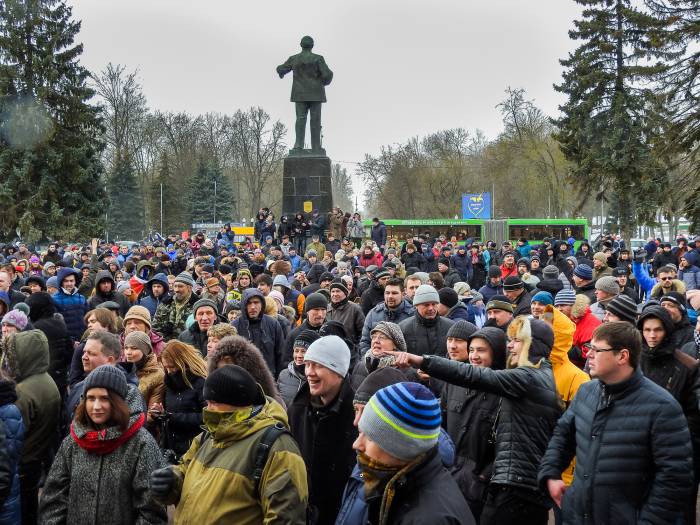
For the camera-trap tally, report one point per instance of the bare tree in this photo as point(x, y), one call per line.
point(341, 185)
point(257, 146)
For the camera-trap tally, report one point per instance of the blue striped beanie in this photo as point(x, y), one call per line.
point(403, 420)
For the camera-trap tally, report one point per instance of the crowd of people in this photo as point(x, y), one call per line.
point(323, 374)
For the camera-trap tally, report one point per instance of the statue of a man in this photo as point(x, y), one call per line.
point(311, 75)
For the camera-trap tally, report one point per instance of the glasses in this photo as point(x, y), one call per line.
point(665, 278)
point(379, 337)
point(594, 349)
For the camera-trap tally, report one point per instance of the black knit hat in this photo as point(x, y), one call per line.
point(380, 378)
point(448, 297)
point(305, 338)
point(461, 330)
point(107, 376)
point(232, 385)
point(325, 276)
point(623, 307)
point(315, 300)
point(444, 260)
point(676, 298)
point(494, 271)
point(513, 282)
point(340, 286)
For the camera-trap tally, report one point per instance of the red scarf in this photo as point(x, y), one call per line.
point(92, 442)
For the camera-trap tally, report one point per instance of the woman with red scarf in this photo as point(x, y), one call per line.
point(101, 472)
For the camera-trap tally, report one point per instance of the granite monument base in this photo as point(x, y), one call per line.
point(306, 178)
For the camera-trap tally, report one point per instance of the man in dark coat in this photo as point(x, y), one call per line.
point(514, 290)
point(378, 233)
point(316, 309)
point(413, 486)
point(205, 316)
point(667, 366)
point(632, 447)
point(261, 329)
point(426, 331)
point(106, 290)
point(321, 421)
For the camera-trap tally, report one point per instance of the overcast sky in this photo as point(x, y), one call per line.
point(402, 68)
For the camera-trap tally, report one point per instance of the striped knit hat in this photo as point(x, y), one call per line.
point(565, 297)
point(403, 420)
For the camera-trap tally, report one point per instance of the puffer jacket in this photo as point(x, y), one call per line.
point(195, 337)
point(325, 436)
point(382, 313)
point(11, 420)
point(44, 317)
point(290, 381)
point(99, 297)
point(27, 357)
point(452, 277)
point(424, 336)
point(676, 372)
point(85, 487)
point(183, 406)
point(691, 275)
point(72, 307)
point(214, 479)
point(264, 332)
point(633, 454)
point(529, 411)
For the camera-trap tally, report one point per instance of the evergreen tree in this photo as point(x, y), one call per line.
point(49, 135)
point(605, 127)
point(174, 220)
point(211, 194)
point(125, 216)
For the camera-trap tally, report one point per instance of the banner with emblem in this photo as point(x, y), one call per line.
point(476, 205)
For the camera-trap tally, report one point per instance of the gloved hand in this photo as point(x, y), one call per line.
point(640, 255)
point(162, 481)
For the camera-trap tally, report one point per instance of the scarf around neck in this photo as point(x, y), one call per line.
point(94, 440)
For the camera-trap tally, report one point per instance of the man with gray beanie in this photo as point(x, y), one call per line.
point(172, 312)
point(206, 315)
point(321, 420)
point(405, 481)
point(606, 289)
point(425, 331)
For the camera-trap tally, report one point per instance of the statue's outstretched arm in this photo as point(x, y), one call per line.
point(285, 68)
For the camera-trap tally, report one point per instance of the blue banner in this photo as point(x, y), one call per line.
point(476, 205)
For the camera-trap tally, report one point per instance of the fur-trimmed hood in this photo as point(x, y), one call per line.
point(537, 337)
point(581, 304)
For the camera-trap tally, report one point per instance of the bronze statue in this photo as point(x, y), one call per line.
point(311, 75)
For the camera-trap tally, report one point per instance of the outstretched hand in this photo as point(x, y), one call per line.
point(405, 359)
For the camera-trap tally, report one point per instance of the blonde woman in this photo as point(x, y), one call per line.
point(180, 414)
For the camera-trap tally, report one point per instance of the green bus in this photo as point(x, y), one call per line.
point(498, 230)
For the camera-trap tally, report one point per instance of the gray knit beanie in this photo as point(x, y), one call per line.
point(608, 284)
point(425, 294)
point(107, 376)
point(204, 302)
point(330, 351)
point(139, 340)
point(461, 330)
point(393, 332)
point(185, 278)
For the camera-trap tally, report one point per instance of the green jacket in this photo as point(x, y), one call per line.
point(26, 356)
point(214, 482)
point(171, 316)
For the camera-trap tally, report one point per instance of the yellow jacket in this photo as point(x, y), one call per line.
point(214, 483)
point(567, 375)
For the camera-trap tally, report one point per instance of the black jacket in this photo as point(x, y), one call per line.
point(44, 317)
point(325, 436)
point(633, 454)
point(426, 336)
point(529, 411)
point(264, 332)
point(98, 298)
point(371, 297)
point(426, 494)
point(195, 337)
point(469, 417)
point(522, 304)
point(588, 290)
point(288, 350)
point(183, 407)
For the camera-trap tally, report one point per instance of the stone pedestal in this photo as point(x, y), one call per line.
point(306, 178)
